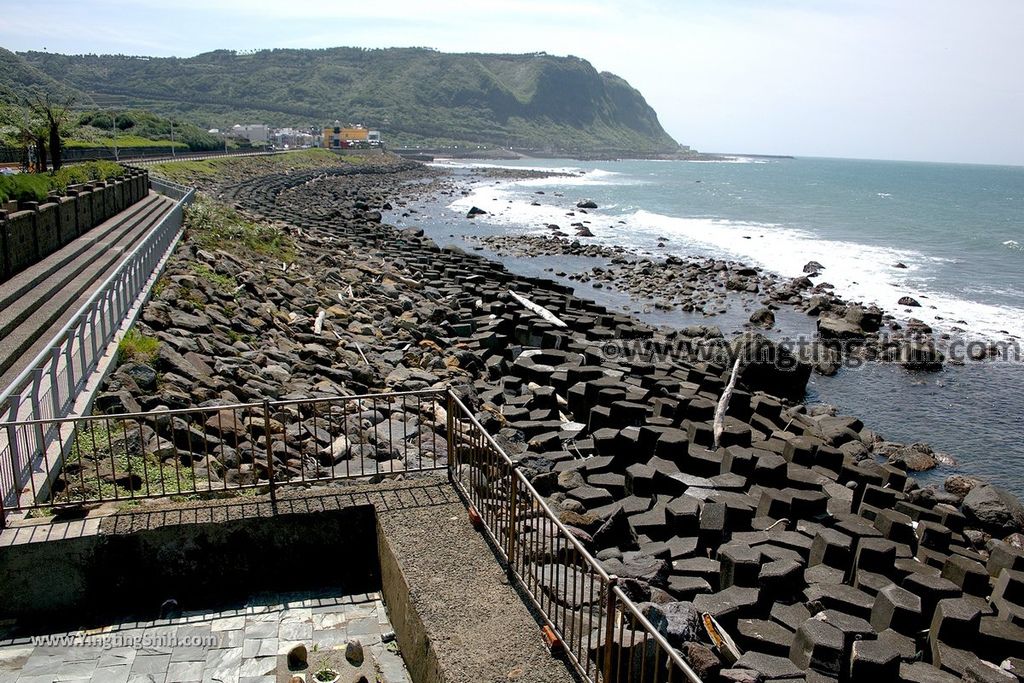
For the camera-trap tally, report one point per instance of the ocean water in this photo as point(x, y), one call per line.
point(958, 229)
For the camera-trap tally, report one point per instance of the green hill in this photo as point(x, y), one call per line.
point(414, 95)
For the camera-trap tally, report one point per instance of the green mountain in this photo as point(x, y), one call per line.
point(414, 95)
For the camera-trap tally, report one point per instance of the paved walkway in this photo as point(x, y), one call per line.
point(246, 645)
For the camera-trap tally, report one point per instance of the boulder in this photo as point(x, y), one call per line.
point(909, 301)
point(586, 204)
point(475, 211)
point(769, 367)
point(993, 509)
point(831, 327)
point(763, 317)
point(679, 622)
point(918, 457)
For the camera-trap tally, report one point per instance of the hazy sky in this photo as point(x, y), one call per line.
point(889, 79)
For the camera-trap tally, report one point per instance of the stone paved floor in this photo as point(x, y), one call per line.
point(235, 646)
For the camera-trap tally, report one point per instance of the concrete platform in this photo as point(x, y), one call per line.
point(457, 618)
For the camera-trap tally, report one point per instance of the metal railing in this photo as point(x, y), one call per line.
point(48, 388)
point(230, 448)
point(601, 631)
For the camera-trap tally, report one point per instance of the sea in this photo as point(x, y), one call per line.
point(949, 235)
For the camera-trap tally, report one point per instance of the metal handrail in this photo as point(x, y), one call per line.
point(617, 602)
point(227, 406)
point(522, 480)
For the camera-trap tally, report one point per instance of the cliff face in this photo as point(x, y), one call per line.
point(413, 94)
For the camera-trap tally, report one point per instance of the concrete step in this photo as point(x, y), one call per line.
point(26, 280)
point(48, 308)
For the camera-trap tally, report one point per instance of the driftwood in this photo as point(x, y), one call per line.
point(723, 403)
point(539, 310)
point(318, 325)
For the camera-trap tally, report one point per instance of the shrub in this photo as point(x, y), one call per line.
point(27, 187)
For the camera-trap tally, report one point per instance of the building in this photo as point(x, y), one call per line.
point(255, 133)
point(341, 137)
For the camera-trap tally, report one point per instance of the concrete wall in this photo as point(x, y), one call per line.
point(67, 219)
point(20, 241)
point(200, 565)
point(417, 651)
point(47, 229)
point(36, 231)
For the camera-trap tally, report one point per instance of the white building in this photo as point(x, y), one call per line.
point(255, 133)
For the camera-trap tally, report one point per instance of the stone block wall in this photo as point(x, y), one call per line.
point(30, 232)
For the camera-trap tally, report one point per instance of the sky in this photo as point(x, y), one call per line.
point(928, 80)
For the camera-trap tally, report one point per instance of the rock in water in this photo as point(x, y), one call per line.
point(763, 317)
point(917, 457)
point(813, 267)
point(475, 211)
point(586, 204)
point(908, 301)
point(994, 509)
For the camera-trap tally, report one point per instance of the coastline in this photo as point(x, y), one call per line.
point(869, 356)
point(621, 445)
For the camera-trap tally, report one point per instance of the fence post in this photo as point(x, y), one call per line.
point(450, 435)
point(513, 518)
point(609, 628)
point(270, 454)
point(12, 444)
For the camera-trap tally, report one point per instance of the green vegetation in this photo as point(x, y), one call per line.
point(217, 226)
point(224, 283)
point(124, 142)
point(413, 95)
point(228, 168)
point(140, 128)
point(25, 187)
point(108, 460)
point(135, 346)
point(33, 187)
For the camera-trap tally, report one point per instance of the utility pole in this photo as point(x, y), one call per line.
point(173, 153)
point(116, 156)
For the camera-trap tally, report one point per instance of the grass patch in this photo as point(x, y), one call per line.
point(101, 462)
point(125, 142)
point(233, 169)
point(224, 283)
point(217, 226)
point(138, 347)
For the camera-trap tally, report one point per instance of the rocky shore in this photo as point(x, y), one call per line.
point(799, 530)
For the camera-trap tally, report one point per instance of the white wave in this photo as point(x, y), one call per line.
point(1013, 244)
point(859, 272)
point(458, 163)
point(883, 194)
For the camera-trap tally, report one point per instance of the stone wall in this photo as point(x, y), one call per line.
point(31, 231)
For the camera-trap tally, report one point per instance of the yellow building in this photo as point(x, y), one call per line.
point(338, 136)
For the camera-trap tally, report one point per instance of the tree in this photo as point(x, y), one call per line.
point(55, 111)
point(27, 129)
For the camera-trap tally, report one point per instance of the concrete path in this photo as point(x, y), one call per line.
point(246, 645)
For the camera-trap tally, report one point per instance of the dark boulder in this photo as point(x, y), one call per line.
point(586, 204)
point(993, 509)
point(770, 367)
